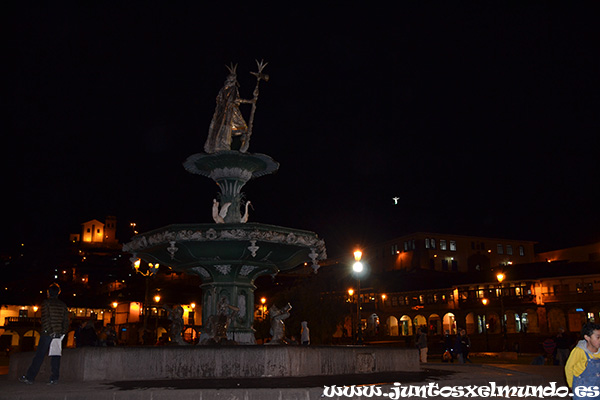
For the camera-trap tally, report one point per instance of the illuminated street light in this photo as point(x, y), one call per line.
point(501, 278)
point(485, 324)
point(358, 269)
point(357, 255)
point(157, 300)
point(151, 270)
point(263, 308)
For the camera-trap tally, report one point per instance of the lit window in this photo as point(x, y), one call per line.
point(509, 249)
point(521, 250)
point(433, 243)
point(427, 245)
point(452, 245)
point(442, 244)
point(500, 249)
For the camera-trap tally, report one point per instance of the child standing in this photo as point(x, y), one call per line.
point(583, 365)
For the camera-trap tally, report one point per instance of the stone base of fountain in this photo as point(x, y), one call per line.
point(207, 362)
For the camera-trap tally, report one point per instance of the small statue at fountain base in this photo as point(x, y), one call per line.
point(175, 314)
point(219, 323)
point(277, 325)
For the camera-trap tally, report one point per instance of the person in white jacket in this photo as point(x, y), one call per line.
point(305, 334)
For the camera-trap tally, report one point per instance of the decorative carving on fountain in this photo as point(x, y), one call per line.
point(223, 269)
point(247, 269)
point(172, 249)
point(315, 244)
point(253, 247)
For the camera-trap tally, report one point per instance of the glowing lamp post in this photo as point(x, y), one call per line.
point(151, 271)
point(263, 307)
point(485, 325)
point(358, 269)
point(35, 309)
point(114, 305)
point(500, 278)
point(156, 300)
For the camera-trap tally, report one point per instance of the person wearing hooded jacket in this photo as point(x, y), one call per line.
point(305, 334)
point(583, 365)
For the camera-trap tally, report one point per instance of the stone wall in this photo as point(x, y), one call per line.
point(194, 362)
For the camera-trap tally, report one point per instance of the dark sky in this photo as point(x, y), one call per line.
point(482, 118)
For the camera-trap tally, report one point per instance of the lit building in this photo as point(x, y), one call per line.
point(96, 232)
point(533, 301)
point(446, 252)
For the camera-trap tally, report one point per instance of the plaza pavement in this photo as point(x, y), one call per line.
point(305, 388)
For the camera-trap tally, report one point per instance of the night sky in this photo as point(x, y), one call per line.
point(482, 118)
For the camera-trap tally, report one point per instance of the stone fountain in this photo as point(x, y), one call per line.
point(230, 253)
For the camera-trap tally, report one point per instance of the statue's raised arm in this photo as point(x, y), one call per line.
point(228, 129)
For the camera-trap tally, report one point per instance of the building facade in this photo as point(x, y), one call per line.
point(447, 252)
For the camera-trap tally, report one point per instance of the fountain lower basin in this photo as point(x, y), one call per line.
point(210, 362)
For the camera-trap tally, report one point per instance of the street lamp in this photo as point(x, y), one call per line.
point(150, 272)
point(35, 309)
point(485, 324)
point(114, 312)
point(263, 307)
point(500, 278)
point(157, 300)
point(358, 268)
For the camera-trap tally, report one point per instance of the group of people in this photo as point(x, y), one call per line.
point(86, 334)
point(454, 348)
point(457, 348)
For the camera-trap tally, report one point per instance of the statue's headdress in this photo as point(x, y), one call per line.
point(232, 69)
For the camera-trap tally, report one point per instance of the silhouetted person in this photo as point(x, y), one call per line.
point(55, 324)
point(422, 344)
point(88, 335)
point(562, 347)
point(448, 347)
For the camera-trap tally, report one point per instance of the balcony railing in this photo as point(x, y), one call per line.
point(508, 300)
point(571, 297)
point(21, 321)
